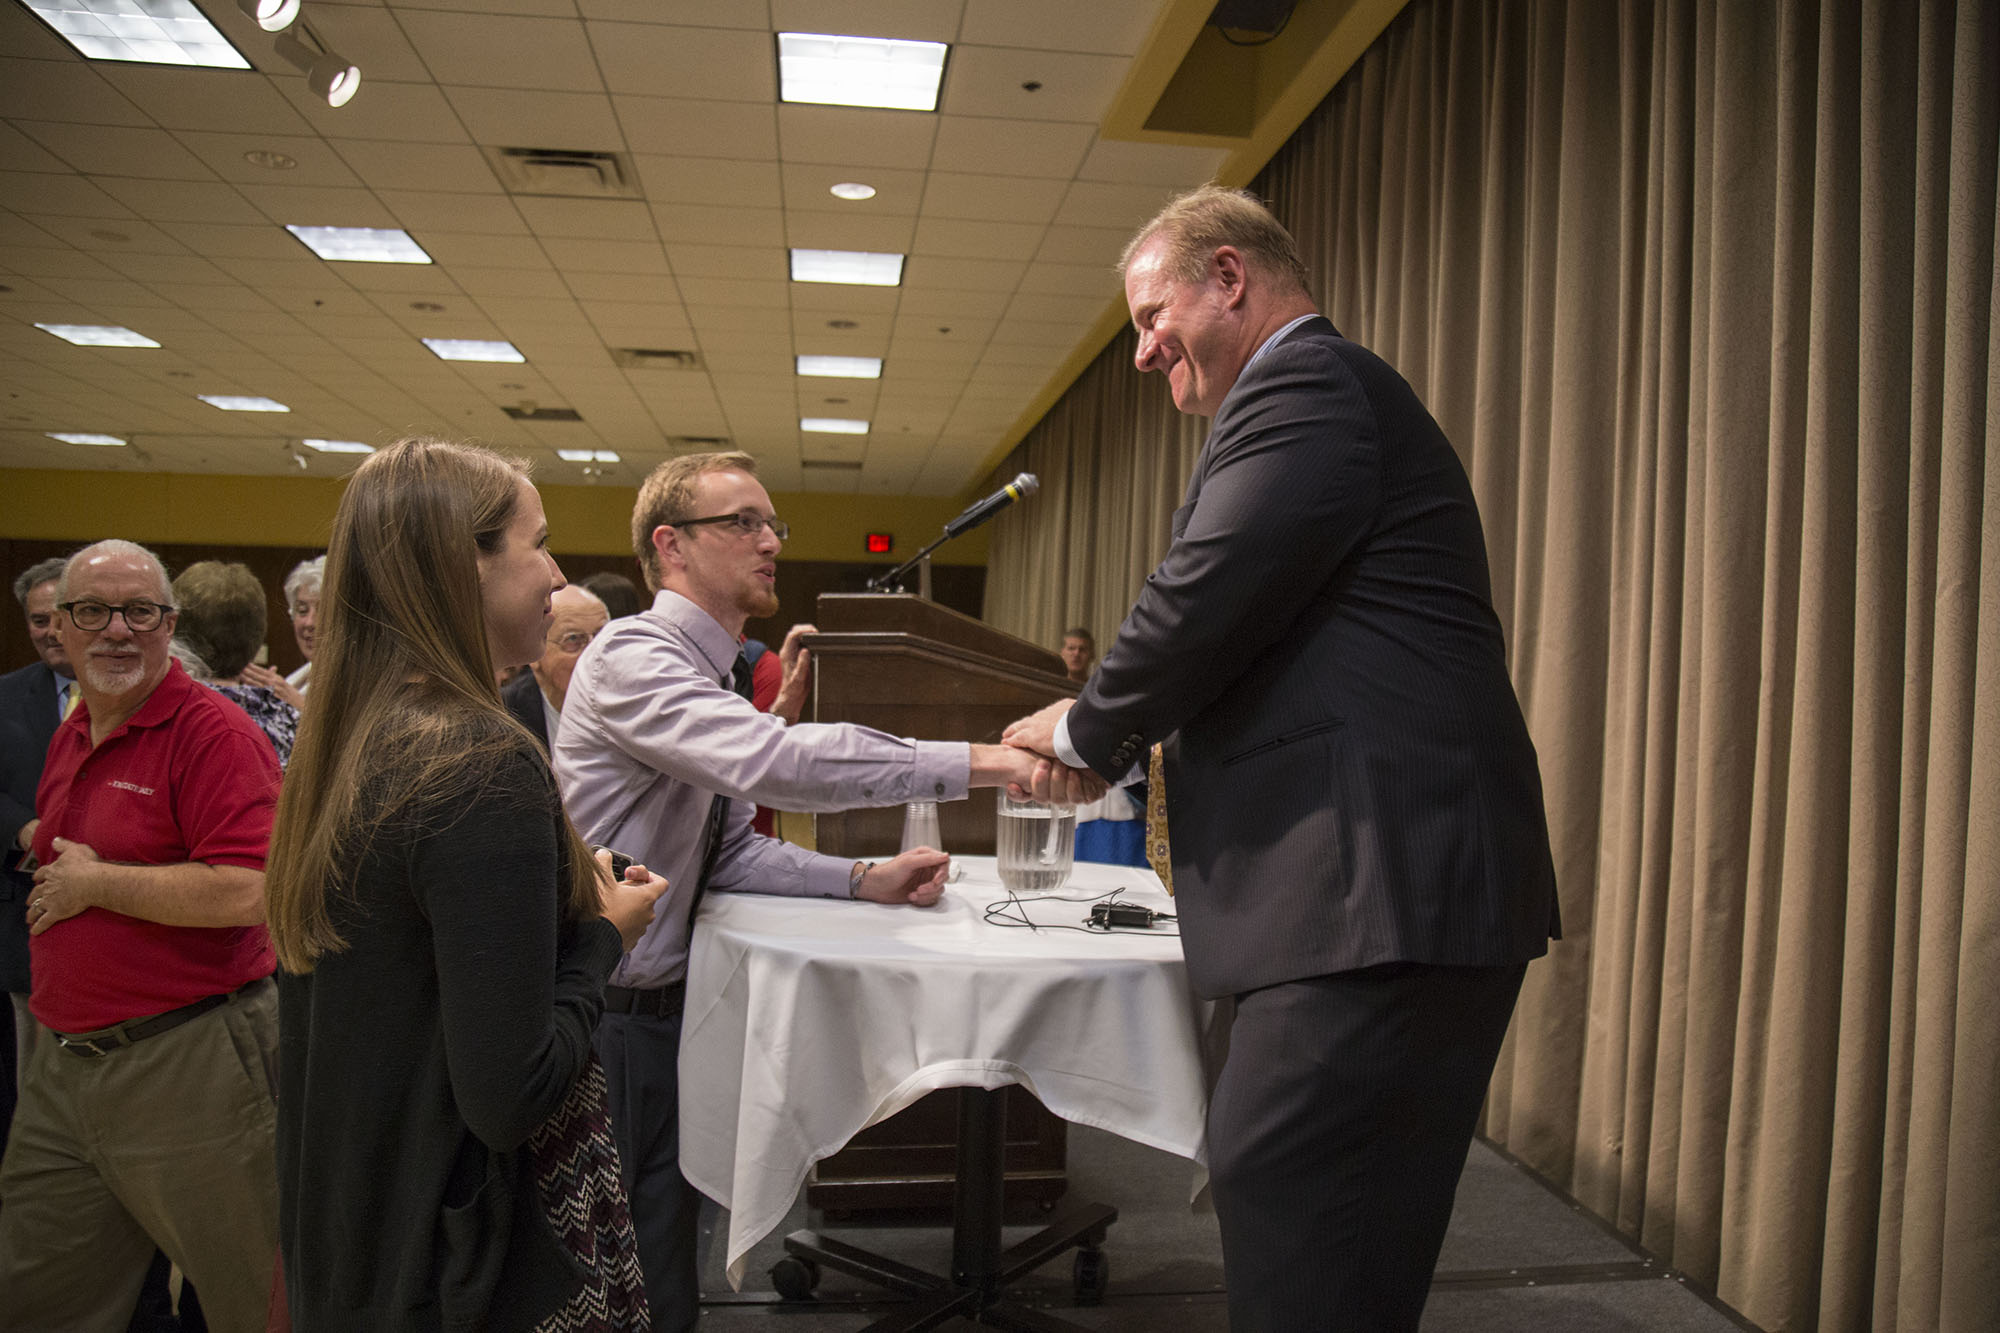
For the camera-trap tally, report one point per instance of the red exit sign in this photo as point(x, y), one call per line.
point(881, 543)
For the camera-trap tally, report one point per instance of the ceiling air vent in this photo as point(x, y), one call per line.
point(565, 173)
point(656, 358)
point(529, 412)
point(697, 443)
point(830, 465)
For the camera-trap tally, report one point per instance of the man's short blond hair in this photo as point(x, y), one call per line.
point(667, 496)
point(1194, 224)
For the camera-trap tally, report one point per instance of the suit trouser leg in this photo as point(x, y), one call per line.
point(641, 1058)
point(1337, 1133)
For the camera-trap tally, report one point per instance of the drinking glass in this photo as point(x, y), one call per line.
point(1037, 844)
point(920, 826)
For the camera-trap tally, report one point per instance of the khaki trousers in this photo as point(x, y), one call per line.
point(168, 1142)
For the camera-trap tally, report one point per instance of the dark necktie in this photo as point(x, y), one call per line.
point(718, 809)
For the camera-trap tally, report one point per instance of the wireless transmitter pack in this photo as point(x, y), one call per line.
point(1121, 916)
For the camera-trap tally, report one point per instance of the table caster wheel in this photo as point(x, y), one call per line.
point(795, 1278)
point(1092, 1274)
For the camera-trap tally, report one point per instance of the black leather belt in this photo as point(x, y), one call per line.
point(650, 1002)
point(97, 1045)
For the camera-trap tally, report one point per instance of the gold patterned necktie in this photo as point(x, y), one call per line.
point(71, 693)
point(1158, 853)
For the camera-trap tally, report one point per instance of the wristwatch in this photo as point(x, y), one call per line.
point(855, 875)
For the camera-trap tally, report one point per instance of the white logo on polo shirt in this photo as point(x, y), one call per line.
point(130, 786)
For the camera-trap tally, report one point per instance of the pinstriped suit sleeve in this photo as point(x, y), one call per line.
point(1287, 486)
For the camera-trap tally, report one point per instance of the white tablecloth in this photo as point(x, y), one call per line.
point(809, 1020)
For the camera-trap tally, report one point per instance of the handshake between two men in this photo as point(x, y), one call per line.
point(1051, 779)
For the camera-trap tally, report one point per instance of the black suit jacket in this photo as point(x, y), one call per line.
point(523, 697)
point(1349, 778)
point(27, 722)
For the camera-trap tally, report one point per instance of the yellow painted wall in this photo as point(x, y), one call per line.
point(298, 511)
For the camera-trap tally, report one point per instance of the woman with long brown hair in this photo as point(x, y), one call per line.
point(443, 937)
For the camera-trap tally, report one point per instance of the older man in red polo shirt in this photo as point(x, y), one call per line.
point(146, 1114)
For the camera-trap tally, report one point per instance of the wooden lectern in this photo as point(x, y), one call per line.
point(910, 667)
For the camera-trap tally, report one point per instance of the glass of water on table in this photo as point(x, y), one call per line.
point(1036, 844)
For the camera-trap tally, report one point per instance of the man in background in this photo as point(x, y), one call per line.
point(1079, 653)
point(536, 695)
point(146, 1114)
point(661, 755)
point(1353, 802)
point(32, 701)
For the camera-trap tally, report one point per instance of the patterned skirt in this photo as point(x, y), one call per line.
point(576, 1166)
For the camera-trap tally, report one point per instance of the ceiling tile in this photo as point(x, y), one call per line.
point(729, 261)
point(617, 286)
point(317, 164)
point(849, 231)
point(369, 34)
point(979, 240)
point(224, 101)
point(990, 81)
point(1060, 25)
point(502, 51)
point(912, 20)
point(1073, 312)
point(898, 192)
point(717, 320)
point(1102, 204)
point(124, 236)
point(1083, 245)
point(1072, 279)
point(724, 64)
point(451, 168)
point(117, 150)
point(20, 153)
point(306, 206)
point(509, 280)
point(709, 180)
point(743, 131)
point(945, 303)
point(423, 211)
point(588, 219)
point(65, 195)
point(699, 292)
point(698, 224)
point(417, 112)
point(605, 256)
point(692, 13)
point(63, 89)
point(1010, 147)
point(523, 119)
point(1151, 164)
point(855, 137)
point(453, 249)
point(952, 194)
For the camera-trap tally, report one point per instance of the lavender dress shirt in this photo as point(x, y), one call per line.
point(651, 731)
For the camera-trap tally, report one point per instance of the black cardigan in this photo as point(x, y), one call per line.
point(415, 1063)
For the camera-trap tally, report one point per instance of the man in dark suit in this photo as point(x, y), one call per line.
point(536, 695)
point(31, 703)
point(1354, 807)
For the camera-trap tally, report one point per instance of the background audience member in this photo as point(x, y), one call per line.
point(145, 1115)
point(32, 701)
point(220, 609)
point(619, 594)
point(535, 695)
point(302, 602)
point(1079, 653)
point(444, 1155)
point(778, 683)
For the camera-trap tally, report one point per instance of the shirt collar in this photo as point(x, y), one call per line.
point(700, 628)
point(1278, 337)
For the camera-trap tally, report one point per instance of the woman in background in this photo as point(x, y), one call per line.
point(443, 937)
point(222, 621)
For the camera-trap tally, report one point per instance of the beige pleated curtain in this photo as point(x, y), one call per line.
point(1704, 294)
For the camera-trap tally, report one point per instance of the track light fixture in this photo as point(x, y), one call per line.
point(270, 15)
point(328, 74)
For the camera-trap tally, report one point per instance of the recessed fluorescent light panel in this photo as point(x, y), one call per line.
point(862, 268)
point(97, 335)
point(472, 349)
point(859, 71)
point(842, 367)
point(339, 446)
point(833, 425)
point(242, 403)
point(587, 455)
point(154, 32)
point(361, 245)
point(83, 437)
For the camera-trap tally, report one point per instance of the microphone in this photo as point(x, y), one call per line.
point(1019, 488)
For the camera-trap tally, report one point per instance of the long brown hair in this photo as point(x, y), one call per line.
point(403, 710)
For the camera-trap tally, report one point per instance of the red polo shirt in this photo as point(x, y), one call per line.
point(188, 777)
